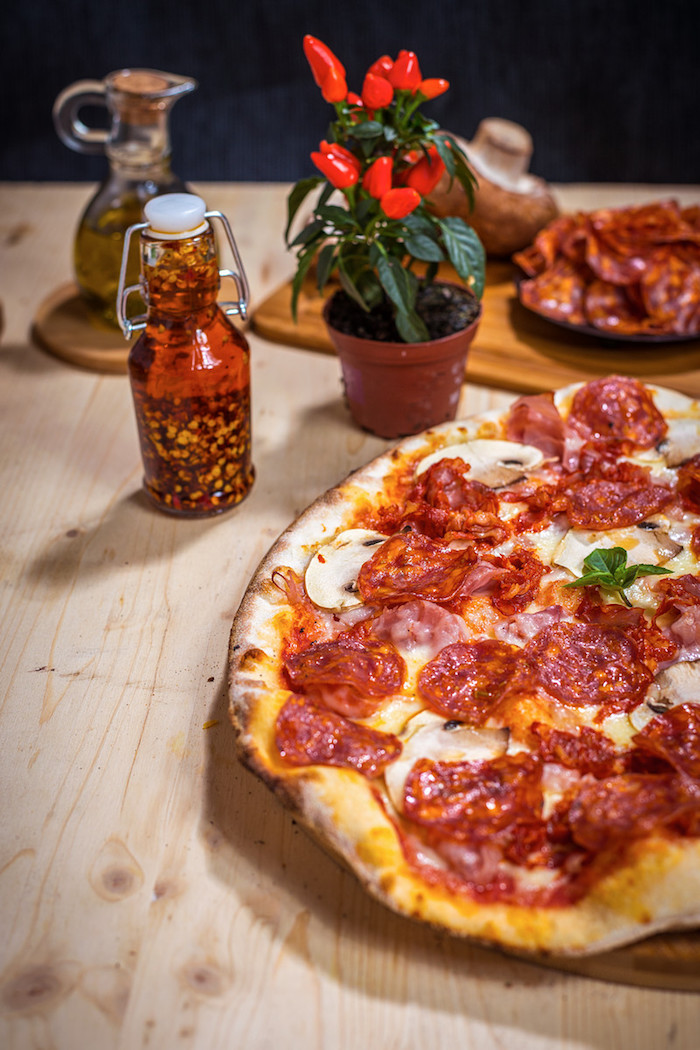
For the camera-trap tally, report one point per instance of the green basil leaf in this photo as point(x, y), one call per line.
point(606, 559)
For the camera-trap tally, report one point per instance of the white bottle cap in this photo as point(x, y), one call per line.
point(175, 215)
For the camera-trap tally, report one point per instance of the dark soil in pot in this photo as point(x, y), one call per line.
point(445, 308)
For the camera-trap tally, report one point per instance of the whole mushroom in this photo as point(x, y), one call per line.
point(511, 205)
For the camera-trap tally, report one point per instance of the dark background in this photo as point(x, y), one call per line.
point(609, 89)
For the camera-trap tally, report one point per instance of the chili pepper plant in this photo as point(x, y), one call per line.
point(371, 224)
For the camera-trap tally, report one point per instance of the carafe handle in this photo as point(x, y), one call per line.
point(69, 127)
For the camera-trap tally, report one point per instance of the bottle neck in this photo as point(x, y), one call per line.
point(139, 139)
point(181, 277)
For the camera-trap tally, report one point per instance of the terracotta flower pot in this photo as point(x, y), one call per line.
point(397, 389)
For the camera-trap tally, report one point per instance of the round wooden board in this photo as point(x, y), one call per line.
point(66, 328)
point(668, 961)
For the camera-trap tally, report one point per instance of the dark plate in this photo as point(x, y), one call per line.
point(598, 333)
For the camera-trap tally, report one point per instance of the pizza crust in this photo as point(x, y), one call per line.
point(656, 888)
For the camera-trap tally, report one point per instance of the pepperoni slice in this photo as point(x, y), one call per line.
point(675, 736)
point(307, 735)
point(556, 293)
point(688, 484)
point(445, 503)
point(347, 675)
point(520, 582)
point(670, 288)
point(653, 645)
point(610, 308)
point(608, 814)
point(600, 503)
point(586, 751)
point(584, 663)
point(410, 565)
point(474, 799)
point(464, 679)
point(618, 408)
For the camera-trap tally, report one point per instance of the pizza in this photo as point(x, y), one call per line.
point(472, 669)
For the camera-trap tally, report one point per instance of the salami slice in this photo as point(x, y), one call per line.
point(610, 814)
point(603, 504)
point(617, 408)
point(474, 799)
point(410, 565)
point(557, 293)
point(586, 751)
point(675, 736)
point(306, 735)
point(465, 678)
point(688, 484)
point(347, 675)
point(581, 663)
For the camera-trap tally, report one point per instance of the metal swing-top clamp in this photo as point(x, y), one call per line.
point(173, 216)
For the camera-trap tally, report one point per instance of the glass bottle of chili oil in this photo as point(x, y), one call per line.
point(189, 369)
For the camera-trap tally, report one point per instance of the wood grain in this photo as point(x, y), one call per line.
point(153, 894)
point(513, 349)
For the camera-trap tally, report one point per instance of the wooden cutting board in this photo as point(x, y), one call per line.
point(514, 349)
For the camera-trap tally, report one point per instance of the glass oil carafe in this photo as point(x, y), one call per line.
point(137, 146)
point(190, 367)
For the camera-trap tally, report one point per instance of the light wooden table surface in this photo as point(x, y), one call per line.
point(153, 893)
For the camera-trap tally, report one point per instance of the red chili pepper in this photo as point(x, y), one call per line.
point(339, 172)
point(400, 202)
point(377, 92)
point(377, 178)
point(425, 175)
point(405, 74)
point(433, 86)
point(334, 149)
point(328, 71)
point(381, 67)
point(353, 100)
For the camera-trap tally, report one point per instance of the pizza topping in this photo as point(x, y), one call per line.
point(429, 736)
point(587, 750)
point(410, 565)
point(609, 570)
point(609, 503)
point(465, 679)
point(617, 408)
point(347, 675)
point(675, 737)
point(491, 462)
point(655, 648)
point(306, 735)
point(419, 625)
point(688, 484)
point(331, 575)
point(446, 504)
point(682, 441)
point(519, 629)
point(582, 663)
point(609, 814)
point(473, 800)
point(677, 684)
point(643, 544)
